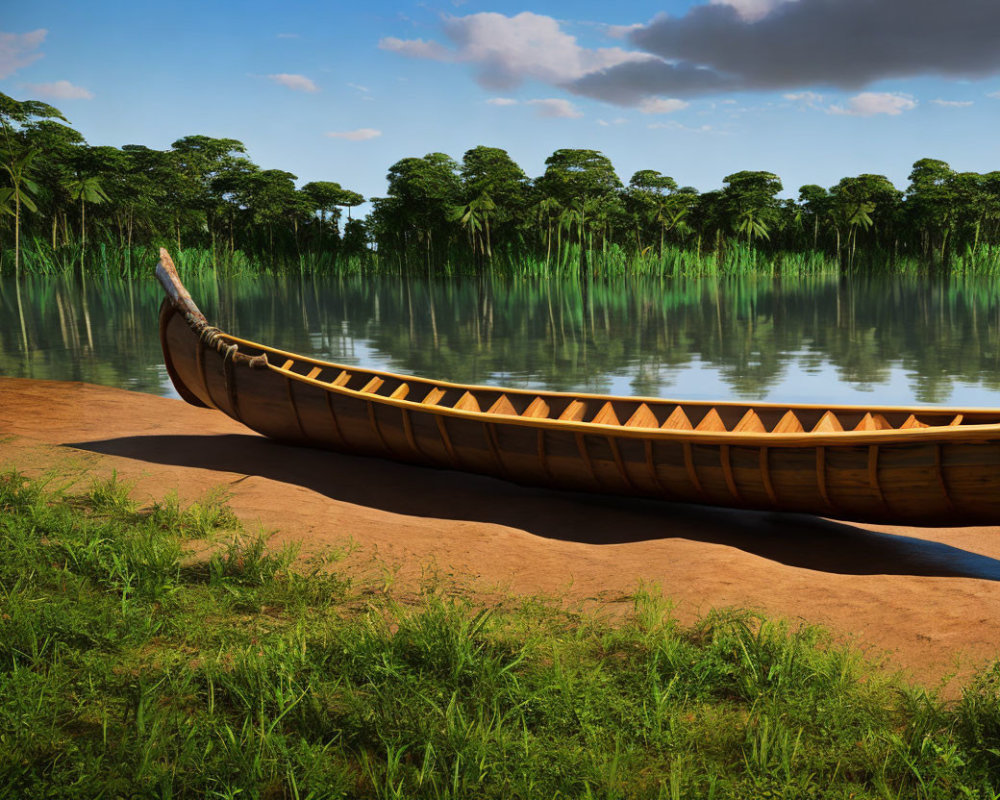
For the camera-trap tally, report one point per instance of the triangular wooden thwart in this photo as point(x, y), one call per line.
point(678, 421)
point(711, 422)
point(789, 423)
point(913, 422)
point(467, 402)
point(538, 409)
point(502, 406)
point(750, 423)
point(827, 423)
point(642, 418)
point(433, 396)
point(873, 422)
point(606, 416)
point(574, 411)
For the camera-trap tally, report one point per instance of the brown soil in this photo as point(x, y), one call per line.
point(928, 597)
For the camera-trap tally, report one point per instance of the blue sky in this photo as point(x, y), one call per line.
point(813, 90)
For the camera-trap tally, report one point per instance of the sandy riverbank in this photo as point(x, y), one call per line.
point(929, 597)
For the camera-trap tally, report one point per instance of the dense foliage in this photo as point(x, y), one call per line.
point(481, 214)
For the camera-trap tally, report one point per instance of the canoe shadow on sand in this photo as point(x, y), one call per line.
point(796, 540)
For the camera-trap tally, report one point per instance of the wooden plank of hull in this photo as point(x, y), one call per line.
point(821, 476)
point(427, 436)
point(939, 474)
point(751, 471)
point(927, 481)
point(765, 472)
point(522, 452)
point(388, 425)
point(727, 472)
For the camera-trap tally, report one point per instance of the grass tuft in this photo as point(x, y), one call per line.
point(246, 561)
point(201, 519)
point(111, 495)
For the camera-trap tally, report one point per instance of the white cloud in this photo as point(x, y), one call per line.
point(502, 101)
point(510, 50)
point(868, 104)
point(359, 135)
point(617, 121)
point(359, 87)
point(952, 103)
point(799, 97)
point(805, 99)
point(288, 36)
point(752, 10)
point(656, 105)
point(60, 90)
point(297, 83)
point(416, 48)
point(676, 126)
point(621, 31)
point(554, 107)
point(17, 50)
point(994, 95)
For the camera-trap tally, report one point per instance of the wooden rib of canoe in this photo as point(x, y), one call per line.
point(923, 466)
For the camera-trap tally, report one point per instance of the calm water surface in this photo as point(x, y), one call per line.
point(822, 340)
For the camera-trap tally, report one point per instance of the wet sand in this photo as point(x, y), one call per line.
point(926, 598)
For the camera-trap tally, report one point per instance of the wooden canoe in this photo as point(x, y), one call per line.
point(923, 466)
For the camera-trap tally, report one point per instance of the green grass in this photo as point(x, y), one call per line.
point(131, 666)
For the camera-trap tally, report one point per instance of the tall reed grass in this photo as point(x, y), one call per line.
point(39, 258)
point(102, 260)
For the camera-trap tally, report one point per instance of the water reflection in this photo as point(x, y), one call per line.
point(814, 339)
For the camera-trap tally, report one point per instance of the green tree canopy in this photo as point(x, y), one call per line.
point(578, 175)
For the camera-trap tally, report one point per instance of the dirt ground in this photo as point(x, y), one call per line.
point(926, 598)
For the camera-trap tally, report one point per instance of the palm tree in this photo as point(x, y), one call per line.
point(545, 210)
point(751, 222)
point(859, 217)
point(669, 216)
point(573, 215)
point(475, 217)
point(20, 191)
point(84, 190)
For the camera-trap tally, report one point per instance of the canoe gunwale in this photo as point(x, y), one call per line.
point(965, 433)
point(474, 387)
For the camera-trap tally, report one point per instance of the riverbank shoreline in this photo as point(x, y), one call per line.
point(922, 597)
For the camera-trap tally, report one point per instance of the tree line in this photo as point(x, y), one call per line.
point(482, 213)
point(202, 192)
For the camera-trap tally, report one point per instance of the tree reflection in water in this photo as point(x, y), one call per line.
point(821, 339)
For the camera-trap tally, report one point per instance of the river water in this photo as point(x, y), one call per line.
point(887, 341)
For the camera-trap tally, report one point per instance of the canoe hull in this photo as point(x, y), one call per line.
point(920, 481)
